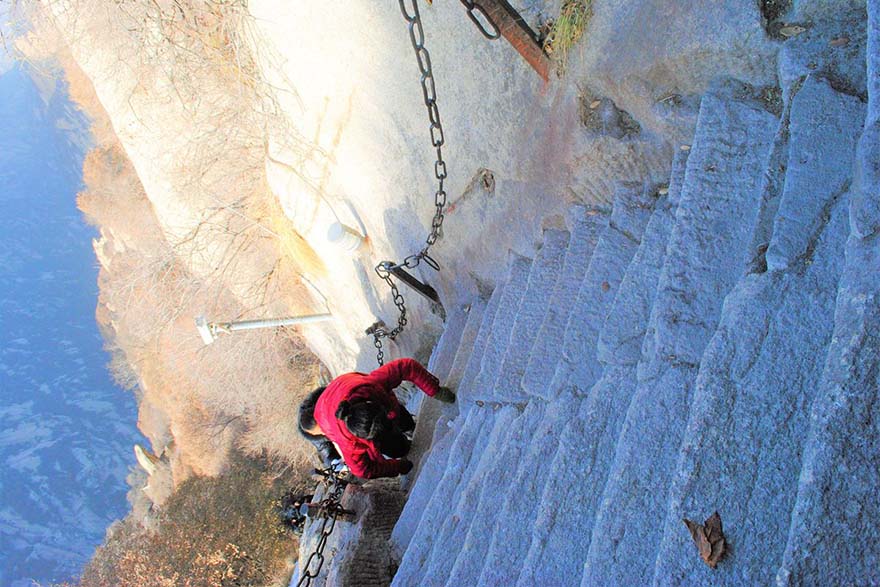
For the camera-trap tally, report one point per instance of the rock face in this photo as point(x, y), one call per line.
point(517, 150)
point(758, 376)
point(674, 247)
point(734, 368)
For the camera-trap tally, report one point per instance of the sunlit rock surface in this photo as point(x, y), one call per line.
point(744, 289)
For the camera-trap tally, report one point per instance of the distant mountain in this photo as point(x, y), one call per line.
point(65, 430)
point(6, 34)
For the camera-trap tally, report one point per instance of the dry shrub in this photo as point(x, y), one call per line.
point(199, 51)
point(567, 30)
point(213, 532)
point(243, 390)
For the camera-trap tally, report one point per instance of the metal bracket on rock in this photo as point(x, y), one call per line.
point(505, 21)
point(423, 289)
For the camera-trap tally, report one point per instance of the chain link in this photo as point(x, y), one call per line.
point(475, 13)
point(331, 508)
point(410, 10)
point(383, 270)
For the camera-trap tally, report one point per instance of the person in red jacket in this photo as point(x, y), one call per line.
point(361, 415)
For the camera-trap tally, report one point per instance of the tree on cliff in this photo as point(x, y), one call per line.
point(213, 532)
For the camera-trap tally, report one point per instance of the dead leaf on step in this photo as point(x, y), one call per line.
point(709, 538)
point(700, 539)
point(791, 30)
point(839, 42)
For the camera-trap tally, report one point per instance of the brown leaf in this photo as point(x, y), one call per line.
point(713, 528)
point(718, 550)
point(715, 535)
point(698, 533)
point(705, 548)
point(695, 528)
point(709, 538)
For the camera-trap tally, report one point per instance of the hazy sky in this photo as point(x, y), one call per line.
point(66, 432)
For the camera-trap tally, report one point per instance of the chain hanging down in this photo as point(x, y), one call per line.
point(410, 10)
point(331, 508)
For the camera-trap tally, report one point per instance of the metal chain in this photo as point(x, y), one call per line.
point(429, 94)
point(475, 12)
point(410, 11)
point(383, 270)
point(331, 508)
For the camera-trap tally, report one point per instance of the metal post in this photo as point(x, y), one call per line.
point(513, 28)
point(210, 330)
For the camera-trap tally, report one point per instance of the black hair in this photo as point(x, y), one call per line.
point(326, 451)
point(307, 411)
point(365, 419)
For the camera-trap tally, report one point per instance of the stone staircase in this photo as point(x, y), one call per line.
point(710, 345)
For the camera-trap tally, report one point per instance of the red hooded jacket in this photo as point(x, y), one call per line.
point(362, 456)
